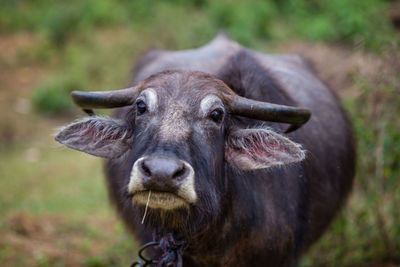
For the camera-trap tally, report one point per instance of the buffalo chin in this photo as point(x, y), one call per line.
point(160, 200)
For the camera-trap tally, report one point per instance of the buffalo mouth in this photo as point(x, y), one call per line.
point(159, 200)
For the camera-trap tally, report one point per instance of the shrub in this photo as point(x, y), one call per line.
point(54, 97)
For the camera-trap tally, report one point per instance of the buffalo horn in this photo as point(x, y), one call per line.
point(269, 112)
point(240, 106)
point(104, 99)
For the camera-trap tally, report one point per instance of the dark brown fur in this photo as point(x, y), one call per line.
point(253, 218)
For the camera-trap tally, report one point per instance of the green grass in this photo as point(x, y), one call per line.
point(52, 183)
point(64, 193)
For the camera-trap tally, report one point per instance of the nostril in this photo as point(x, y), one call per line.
point(179, 172)
point(160, 168)
point(145, 169)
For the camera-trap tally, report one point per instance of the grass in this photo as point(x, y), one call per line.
point(39, 189)
point(55, 211)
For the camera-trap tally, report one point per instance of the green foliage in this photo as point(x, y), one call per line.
point(244, 20)
point(367, 230)
point(356, 22)
point(58, 20)
point(180, 24)
point(53, 98)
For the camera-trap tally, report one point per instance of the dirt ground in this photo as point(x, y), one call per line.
point(51, 240)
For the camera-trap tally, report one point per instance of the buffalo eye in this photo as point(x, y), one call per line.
point(216, 115)
point(140, 107)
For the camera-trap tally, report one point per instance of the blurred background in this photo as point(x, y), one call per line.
point(53, 201)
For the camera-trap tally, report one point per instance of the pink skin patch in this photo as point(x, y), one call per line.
point(261, 148)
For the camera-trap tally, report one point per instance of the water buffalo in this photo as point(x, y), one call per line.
point(211, 146)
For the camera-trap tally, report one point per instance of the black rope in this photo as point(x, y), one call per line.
point(147, 261)
point(172, 252)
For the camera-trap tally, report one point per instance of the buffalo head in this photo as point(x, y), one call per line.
point(178, 130)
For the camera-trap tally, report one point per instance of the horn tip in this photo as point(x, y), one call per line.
point(78, 97)
point(76, 94)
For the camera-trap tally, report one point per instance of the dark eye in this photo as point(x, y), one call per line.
point(216, 115)
point(140, 107)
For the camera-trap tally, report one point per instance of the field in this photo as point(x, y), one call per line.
point(53, 202)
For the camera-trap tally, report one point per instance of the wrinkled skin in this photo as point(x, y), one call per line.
point(256, 199)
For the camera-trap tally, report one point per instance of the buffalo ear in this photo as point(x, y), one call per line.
point(99, 136)
point(250, 149)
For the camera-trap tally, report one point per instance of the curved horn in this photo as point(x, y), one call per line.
point(269, 112)
point(104, 99)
